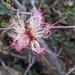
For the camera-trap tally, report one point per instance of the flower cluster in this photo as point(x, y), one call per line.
point(26, 32)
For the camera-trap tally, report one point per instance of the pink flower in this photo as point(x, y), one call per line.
point(20, 39)
point(37, 24)
point(36, 47)
point(26, 33)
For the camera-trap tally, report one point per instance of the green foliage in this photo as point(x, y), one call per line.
point(74, 72)
point(44, 4)
point(3, 9)
point(19, 68)
point(71, 46)
point(57, 38)
point(16, 67)
point(70, 10)
point(4, 24)
point(33, 72)
point(7, 1)
point(70, 13)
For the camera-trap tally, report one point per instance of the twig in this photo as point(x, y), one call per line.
point(41, 3)
point(4, 28)
point(3, 64)
point(33, 3)
point(53, 4)
point(59, 21)
point(14, 55)
point(18, 56)
point(53, 58)
point(55, 62)
point(6, 4)
point(63, 27)
point(54, 27)
point(55, 49)
point(48, 63)
point(61, 48)
point(23, 2)
point(29, 60)
point(30, 65)
point(53, 53)
point(17, 4)
point(71, 71)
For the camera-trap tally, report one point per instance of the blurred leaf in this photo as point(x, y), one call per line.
point(7, 1)
point(4, 10)
point(70, 10)
point(59, 37)
point(1, 5)
point(18, 68)
point(15, 60)
point(8, 12)
point(33, 72)
point(45, 6)
point(4, 24)
point(73, 72)
point(70, 13)
point(71, 46)
point(53, 41)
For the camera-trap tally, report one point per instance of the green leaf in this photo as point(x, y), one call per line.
point(45, 6)
point(71, 45)
point(73, 72)
point(15, 60)
point(70, 10)
point(53, 41)
point(59, 37)
point(4, 24)
point(8, 12)
point(2, 11)
point(18, 68)
point(1, 5)
point(7, 1)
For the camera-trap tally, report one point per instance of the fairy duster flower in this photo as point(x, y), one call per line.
point(26, 32)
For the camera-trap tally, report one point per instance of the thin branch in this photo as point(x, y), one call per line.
point(23, 2)
point(59, 21)
point(3, 64)
point(5, 28)
point(55, 62)
point(17, 4)
point(29, 59)
point(53, 4)
point(48, 63)
point(30, 65)
point(71, 71)
point(41, 3)
point(55, 49)
point(53, 53)
point(33, 3)
point(64, 27)
point(6, 4)
point(53, 58)
point(54, 27)
point(14, 55)
point(60, 50)
point(18, 56)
